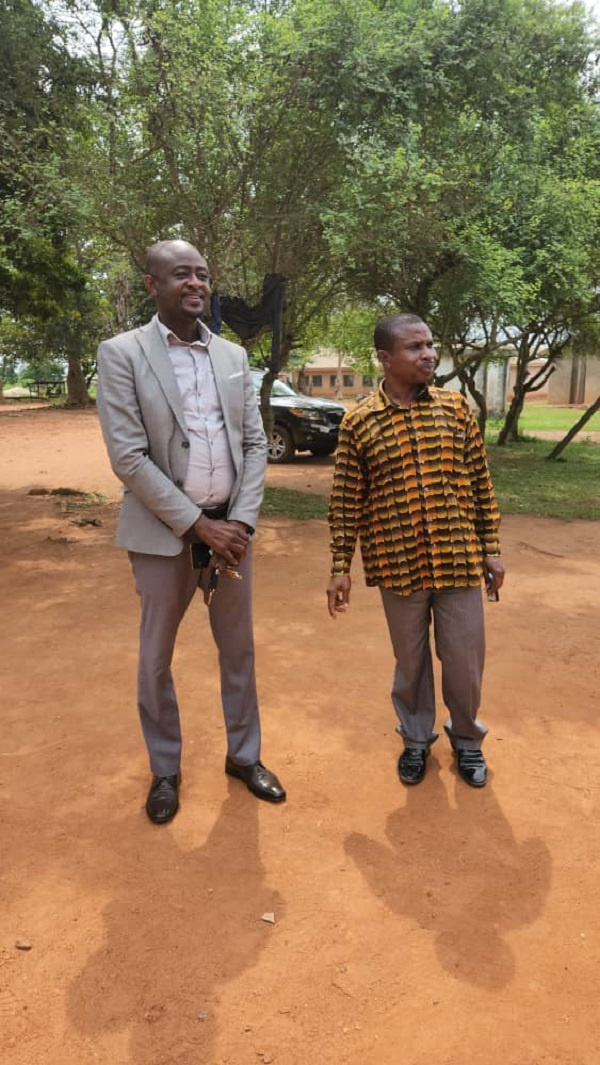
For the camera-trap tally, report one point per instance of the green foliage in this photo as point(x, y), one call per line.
point(347, 329)
point(44, 370)
point(474, 202)
point(415, 155)
point(42, 85)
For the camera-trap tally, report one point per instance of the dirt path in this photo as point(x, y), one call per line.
point(424, 927)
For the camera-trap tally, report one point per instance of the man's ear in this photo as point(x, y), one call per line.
point(382, 355)
point(149, 283)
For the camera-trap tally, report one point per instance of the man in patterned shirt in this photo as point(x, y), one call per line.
point(412, 484)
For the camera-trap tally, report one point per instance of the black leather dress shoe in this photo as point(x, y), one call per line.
point(163, 799)
point(412, 765)
point(257, 779)
point(472, 768)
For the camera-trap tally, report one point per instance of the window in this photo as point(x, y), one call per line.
point(348, 380)
point(332, 380)
point(368, 382)
point(317, 380)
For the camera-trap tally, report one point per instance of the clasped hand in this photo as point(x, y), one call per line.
point(227, 539)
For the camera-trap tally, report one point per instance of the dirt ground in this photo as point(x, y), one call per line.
point(430, 926)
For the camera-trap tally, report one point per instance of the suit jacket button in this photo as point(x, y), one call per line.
point(185, 443)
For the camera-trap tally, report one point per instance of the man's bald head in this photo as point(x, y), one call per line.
point(163, 251)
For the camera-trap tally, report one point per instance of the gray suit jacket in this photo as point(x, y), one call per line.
point(147, 440)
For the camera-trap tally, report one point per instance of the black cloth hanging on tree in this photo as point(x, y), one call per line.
point(248, 322)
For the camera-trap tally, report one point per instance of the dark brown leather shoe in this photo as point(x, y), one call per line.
point(412, 765)
point(163, 799)
point(260, 781)
point(472, 768)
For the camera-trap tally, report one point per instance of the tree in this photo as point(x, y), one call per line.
point(575, 429)
point(347, 330)
point(249, 171)
point(413, 155)
point(43, 87)
point(473, 202)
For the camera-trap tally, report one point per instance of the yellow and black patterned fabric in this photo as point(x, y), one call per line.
point(413, 485)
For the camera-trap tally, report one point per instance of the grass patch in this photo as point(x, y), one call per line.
point(72, 498)
point(289, 503)
point(85, 500)
point(526, 483)
point(550, 419)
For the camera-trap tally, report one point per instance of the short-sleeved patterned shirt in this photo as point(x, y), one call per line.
point(413, 485)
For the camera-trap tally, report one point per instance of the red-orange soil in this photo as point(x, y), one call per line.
point(432, 926)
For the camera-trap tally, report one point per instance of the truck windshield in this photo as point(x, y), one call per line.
point(280, 388)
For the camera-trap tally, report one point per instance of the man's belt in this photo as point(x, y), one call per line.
point(216, 513)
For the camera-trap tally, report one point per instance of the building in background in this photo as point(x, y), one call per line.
point(329, 374)
point(575, 381)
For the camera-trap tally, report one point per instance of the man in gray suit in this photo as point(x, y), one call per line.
point(184, 434)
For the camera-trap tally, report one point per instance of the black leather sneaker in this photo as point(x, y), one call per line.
point(163, 799)
point(472, 768)
point(411, 765)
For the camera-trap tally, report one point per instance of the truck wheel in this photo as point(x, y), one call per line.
point(320, 450)
point(281, 446)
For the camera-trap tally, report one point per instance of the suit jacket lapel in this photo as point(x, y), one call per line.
point(220, 371)
point(153, 347)
point(223, 366)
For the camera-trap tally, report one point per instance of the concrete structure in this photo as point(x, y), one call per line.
point(575, 381)
point(492, 380)
point(330, 375)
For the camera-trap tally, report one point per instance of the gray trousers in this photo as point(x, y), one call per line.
point(166, 586)
point(460, 646)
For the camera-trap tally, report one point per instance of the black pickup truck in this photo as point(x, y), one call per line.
point(301, 423)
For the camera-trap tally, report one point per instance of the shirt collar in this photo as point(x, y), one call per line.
point(385, 401)
point(172, 340)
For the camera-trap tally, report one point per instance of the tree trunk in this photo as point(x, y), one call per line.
point(510, 429)
point(278, 341)
point(266, 410)
point(585, 417)
point(122, 293)
point(528, 347)
point(77, 393)
point(482, 416)
point(467, 377)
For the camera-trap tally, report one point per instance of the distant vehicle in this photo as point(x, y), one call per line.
point(301, 423)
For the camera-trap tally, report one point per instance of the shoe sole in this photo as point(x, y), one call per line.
point(471, 783)
point(411, 783)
